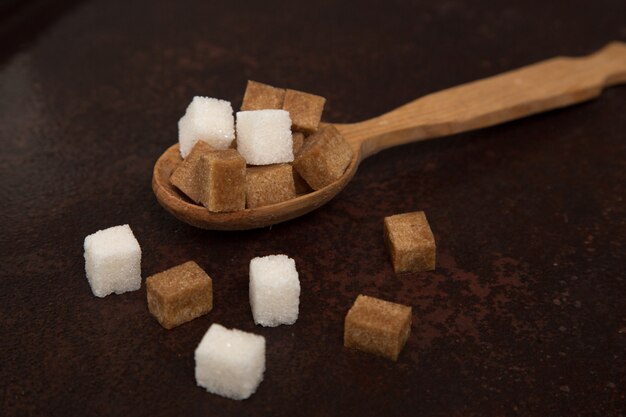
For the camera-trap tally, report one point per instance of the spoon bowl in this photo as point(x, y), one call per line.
point(547, 85)
point(196, 215)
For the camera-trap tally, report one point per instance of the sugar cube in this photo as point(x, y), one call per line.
point(377, 326)
point(274, 290)
point(269, 184)
point(305, 110)
point(209, 120)
point(323, 158)
point(259, 96)
point(230, 363)
point(264, 136)
point(179, 294)
point(298, 141)
point(410, 242)
point(300, 185)
point(113, 261)
point(224, 176)
point(186, 176)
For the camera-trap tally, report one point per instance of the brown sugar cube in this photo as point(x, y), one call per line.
point(269, 184)
point(223, 175)
point(323, 158)
point(410, 242)
point(377, 326)
point(179, 294)
point(300, 184)
point(298, 141)
point(304, 109)
point(185, 177)
point(259, 96)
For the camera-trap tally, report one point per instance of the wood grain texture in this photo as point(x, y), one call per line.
point(533, 89)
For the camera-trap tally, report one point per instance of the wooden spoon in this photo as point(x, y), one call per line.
point(547, 85)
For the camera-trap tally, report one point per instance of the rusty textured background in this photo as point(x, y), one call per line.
point(525, 314)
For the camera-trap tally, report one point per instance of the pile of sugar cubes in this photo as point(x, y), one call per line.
point(274, 151)
point(230, 362)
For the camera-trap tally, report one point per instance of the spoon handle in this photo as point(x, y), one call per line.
point(547, 85)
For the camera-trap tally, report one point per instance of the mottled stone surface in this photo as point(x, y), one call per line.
point(524, 316)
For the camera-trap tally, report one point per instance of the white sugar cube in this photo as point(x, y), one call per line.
point(274, 290)
point(264, 136)
point(230, 363)
point(209, 120)
point(113, 261)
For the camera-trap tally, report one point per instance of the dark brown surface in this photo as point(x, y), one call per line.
point(525, 314)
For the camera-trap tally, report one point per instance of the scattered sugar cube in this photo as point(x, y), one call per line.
point(264, 136)
point(305, 110)
point(186, 176)
point(230, 363)
point(259, 96)
point(377, 326)
point(179, 294)
point(410, 242)
point(209, 120)
point(323, 158)
point(224, 176)
point(113, 261)
point(274, 290)
point(269, 184)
